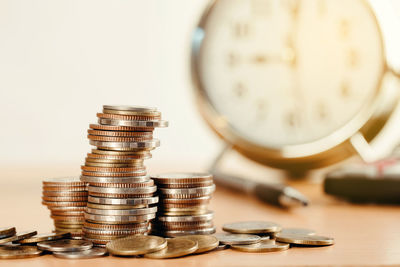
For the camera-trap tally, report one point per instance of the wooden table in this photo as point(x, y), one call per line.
point(364, 234)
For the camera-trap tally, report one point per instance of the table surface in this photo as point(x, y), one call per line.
point(364, 234)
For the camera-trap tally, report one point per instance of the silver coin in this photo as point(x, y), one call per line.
point(174, 233)
point(65, 245)
point(206, 190)
point(299, 231)
point(252, 227)
point(133, 123)
point(130, 108)
point(307, 240)
point(237, 239)
point(263, 246)
point(187, 218)
point(119, 218)
point(129, 212)
point(85, 254)
point(221, 247)
point(61, 181)
point(123, 201)
point(132, 145)
point(127, 191)
point(116, 180)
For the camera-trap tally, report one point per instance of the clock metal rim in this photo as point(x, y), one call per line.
point(325, 151)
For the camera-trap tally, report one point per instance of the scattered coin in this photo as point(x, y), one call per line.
point(297, 231)
point(65, 245)
point(262, 246)
point(176, 247)
point(182, 232)
point(24, 235)
point(252, 227)
point(19, 252)
point(237, 239)
point(205, 242)
point(8, 239)
point(94, 252)
point(136, 245)
point(301, 239)
point(44, 237)
point(7, 232)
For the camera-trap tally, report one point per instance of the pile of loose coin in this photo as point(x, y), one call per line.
point(66, 199)
point(121, 195)
point(183, 205)
point(261, 236)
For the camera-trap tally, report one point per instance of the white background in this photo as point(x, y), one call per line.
point(60, 61)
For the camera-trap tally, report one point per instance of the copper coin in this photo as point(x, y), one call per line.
point(187, 185)
point(116, 170)
point(115, 227)
point(65, 204)
point(66, 213)
point(118, 139)
point(65, 199)
point(124, 185)
point(113, 165)
point(7, 231)
point(68, 208)
point(115, 174)
point(120, 128)
point(65, 188)
point(128, 117)
point(115, 207)
point(196, 226)
point(97, 232)
point(119, 133)
point(182, 178)
point(65, 193)
point(63, 182)
point(115, 160)
point(198, 200)
point(121, 196)
point(120, 153)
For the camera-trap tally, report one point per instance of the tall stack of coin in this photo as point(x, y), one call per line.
point(66, 199)
point(183, 206)
point(121, 195)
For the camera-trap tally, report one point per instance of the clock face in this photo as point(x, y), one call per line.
point(290, 72)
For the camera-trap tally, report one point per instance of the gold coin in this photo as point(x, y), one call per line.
point(122, 154)
point(309, 240)
point(252, 227)
point(115, 207)
point(262, 246)
point(120, 134)
point(44, 237)
point(136, 245)
point(65, 245)
point(19, 252)
point(176, 247)
point(110, 165)
point(8, 239)
point(183, 212)
point(204, 242)
point(121, 128)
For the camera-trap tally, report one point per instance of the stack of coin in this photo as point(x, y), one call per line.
point(183, 205)
point(121, 196)
point(66, 199)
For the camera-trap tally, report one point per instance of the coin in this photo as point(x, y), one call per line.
point(187, 192)
point(205, 242)
point(194, 201)
point(65, 193)
point(125, 191)
point(156, 123)
point(119, 139)
point(110, 165)
point(19, 252)
point(174, 233)
point(126, 145)
point(65, 199)
point(116, 170)
point(24, 235)
point(187, 185)
point(115, 227)
point(263, 246)
point(182, 178)
point(97, 179)
point(309, 240)
point(64, 204)
point(130, 108)
point(63, 181)
point(124, 201)
point(190, 218)
point(176, 247)
point(114, 174)
point(85, 254)
point(125, 185)
point(141, 117)
point(120, 128)
point(115, 207)
point(136, 245)
point(252, 227)
point(122, 219)
point(237, 239)
point(7, 232)
point(102, 232)
point(119, 133)
point(135, 212)
point(8, 239)
point(299, 231)
point(44, 237)
point(65, 245)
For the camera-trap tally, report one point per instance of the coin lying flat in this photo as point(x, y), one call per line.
point(204, 242)
point(94, 252)
point(123, 201)
point(130, 108)
point(111, 122)
point(115, 207)
point(237, 239)
point(19, 252)
point(298, 231)
point(252, 227)
point(8, 239)
point(24, 235)
point(196, 191)
point(133, 212)
point(99, 179)
point(191, 218)
point(176, 247)
point(136, 245)
point(63, 181)
point(263, 246)
point(202, 231)
point(118, 219)
point(309, 240)
point(65, 245)
point(44, 237)
point(7, 232)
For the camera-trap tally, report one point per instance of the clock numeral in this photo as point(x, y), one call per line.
point(240, 90)
point(240, 30)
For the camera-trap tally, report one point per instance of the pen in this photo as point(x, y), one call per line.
point(276, 194)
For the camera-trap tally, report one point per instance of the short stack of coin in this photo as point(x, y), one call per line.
point(121, 196)
point(66, 198)
point(183, 205)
